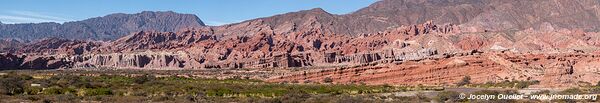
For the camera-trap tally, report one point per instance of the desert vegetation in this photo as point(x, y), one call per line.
point(64, 87)
point(464, 81)
point(507, 84)
point(72, 86)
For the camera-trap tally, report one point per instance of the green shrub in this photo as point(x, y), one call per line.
point(52, 91)
point(97, 92)
point(33, 90)
point(65, 80)
point(68, 91)
point(12, 84)
point(10, 88)
point(17, 76)
point(109, 87)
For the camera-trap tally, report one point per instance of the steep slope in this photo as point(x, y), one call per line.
point(519, 14)
point(388, 13)
point(10, 45)
point(102, 28)
point(491, 15)
point(473, 15)
point(59, 46)
point(199, 48)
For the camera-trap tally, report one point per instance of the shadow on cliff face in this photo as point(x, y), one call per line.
point(16, 62)
point(9, 61)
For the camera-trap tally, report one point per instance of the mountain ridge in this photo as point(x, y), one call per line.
point(107, 27)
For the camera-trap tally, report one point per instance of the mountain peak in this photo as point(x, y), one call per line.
point(154, 12)
point(316, 11)
point(170, 14)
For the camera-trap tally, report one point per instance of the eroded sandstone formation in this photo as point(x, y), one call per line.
point(401, 42)
point(552, 70)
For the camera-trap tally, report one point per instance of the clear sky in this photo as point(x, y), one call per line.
point(212, 12)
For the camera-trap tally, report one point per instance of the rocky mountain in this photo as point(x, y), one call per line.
point(478, 15)
point(317, 38)
point(401, 42)
point(109, 27)
point(491, 15)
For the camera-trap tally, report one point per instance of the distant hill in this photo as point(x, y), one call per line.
point(109, 27)
point(494, 15)
point(481, 15)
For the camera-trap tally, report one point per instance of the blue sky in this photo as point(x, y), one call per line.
point(212, 12)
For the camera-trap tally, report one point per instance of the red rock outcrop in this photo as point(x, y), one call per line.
point(52, 46)
point(552, 70)
point(487, 40)
point(11, 45)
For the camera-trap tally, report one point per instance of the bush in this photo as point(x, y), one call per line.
point(450, 96)
point(572, 91)
point(327, 80)
point(11, 85)
point(352, 99)
point(105, 87)
point(294, 97)
point(143, 79)
point(33, 90)
point(465, 80)
point(98, 91)
point(595, 90)
point(65, 80)
point(522, 85)
point(198, 98)
point(52, 91)
point(598, 84)
point(32, 98)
